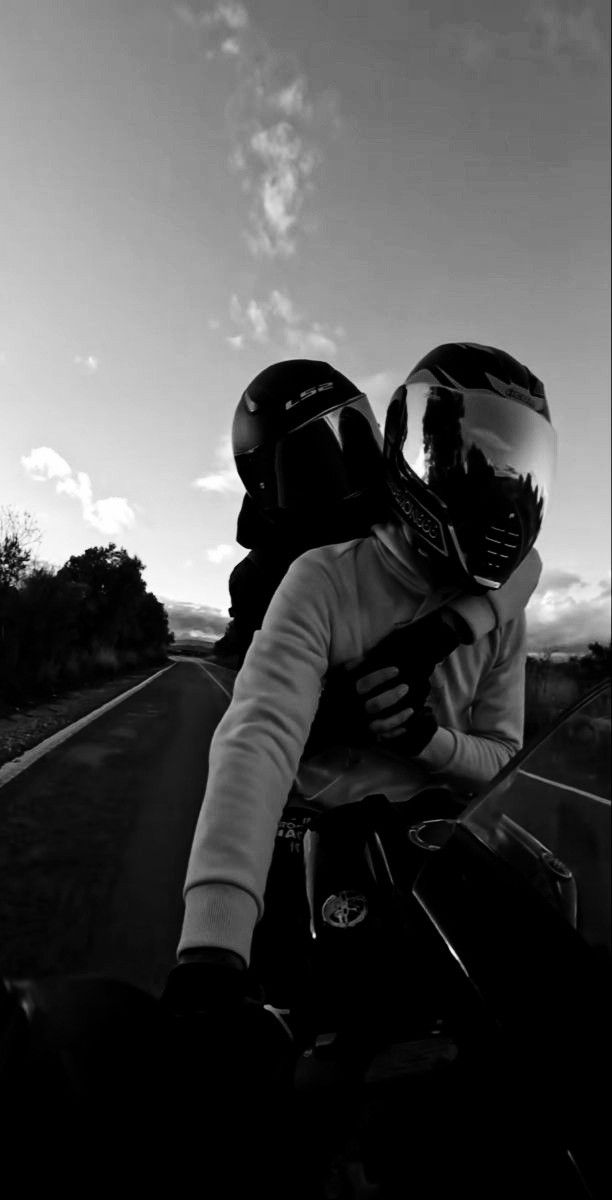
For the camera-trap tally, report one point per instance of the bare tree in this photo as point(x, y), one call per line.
point(19, 536)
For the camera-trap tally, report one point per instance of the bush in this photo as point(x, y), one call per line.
point(553, 686)
point(91, 619)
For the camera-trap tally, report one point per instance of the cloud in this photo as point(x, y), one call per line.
point(219, 554)
point(283, 307)
point(551, 31)
point(194, 620)
point(292, 100)
point(217, 482)
point(111, 515)
point(257, 319)
point(556, 579)
point(253, 318)
point(88, 364)
point(276, 320)
point(313, 341)
point(43, 463)
point(227, 15)
point(282, 163)
point(224, 478)
point(235, 15)
point(567, 29)
point(566, 612)
point(277, 128)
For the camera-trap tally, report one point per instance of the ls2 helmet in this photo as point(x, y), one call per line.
point(470, 456)
point(307, 445)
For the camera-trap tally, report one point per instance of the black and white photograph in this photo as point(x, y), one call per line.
point(305, 617)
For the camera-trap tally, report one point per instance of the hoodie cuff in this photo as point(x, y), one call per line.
point(221, 916)
point(440, 750)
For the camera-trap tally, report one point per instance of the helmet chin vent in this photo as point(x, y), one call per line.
point(501, 546)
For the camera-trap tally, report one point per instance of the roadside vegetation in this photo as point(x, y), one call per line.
point(93, 619)
point(90, 619)
point(553, 686)
point(550, 686)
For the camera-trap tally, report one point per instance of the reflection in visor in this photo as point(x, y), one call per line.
point(330, 459)
point(448, 431)
point(490, 460)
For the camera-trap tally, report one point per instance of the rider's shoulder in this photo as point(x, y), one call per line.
point(329, 567)
point(331, 557)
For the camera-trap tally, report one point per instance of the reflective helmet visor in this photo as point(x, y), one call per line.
point(328, 459)
point(491, 460)
point(449, 430)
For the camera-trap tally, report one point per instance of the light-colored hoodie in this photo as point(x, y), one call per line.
point(333, 606)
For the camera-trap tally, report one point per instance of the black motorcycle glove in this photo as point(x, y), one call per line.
point(416, 734)
point(414, 650)
point(232, 1071)
point(206, 981)
point(213, 993)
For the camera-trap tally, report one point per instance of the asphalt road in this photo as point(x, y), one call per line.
point(95, 835)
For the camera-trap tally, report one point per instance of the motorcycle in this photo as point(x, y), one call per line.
point(451, 1028)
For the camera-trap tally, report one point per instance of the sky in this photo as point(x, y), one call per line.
point(191, 191)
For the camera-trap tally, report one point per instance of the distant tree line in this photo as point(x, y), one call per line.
point(62, 627)
point(551, 686)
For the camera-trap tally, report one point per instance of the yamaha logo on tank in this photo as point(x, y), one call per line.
point(344, 910)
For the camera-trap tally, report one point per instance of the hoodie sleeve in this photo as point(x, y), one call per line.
point(470, 758)
point(482, 614)
point(254, 759)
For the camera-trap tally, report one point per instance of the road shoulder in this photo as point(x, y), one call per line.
point(26, 728)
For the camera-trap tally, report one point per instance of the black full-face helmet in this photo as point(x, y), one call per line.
point(307, 446)
point(470, 456)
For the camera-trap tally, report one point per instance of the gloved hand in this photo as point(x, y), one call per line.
point(413, 734)
point(414, 650)
point(205, 981)
point(389, 687)
point(211, 994)
point(233, 1064)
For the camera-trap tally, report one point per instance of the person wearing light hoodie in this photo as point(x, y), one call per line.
point(469, 455)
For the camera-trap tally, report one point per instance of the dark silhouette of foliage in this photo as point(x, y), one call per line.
point(551, 685)
point(599, 655)
point(92, 617)
point(112, 591)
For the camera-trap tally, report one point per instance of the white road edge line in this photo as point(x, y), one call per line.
point(208, 672)
point(13, 768)
point(566, 787)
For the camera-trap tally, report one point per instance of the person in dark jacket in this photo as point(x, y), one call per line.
point(321, 484)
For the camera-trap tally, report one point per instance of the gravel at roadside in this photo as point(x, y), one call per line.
point(27, 727)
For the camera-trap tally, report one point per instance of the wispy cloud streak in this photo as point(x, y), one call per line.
point(223, 477)
point(110, 515)
point(275, 320)
point(550, 31)
point(278, 129)
point(87, 364)
point(221, 553)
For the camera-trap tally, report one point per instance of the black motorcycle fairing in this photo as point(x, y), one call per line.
point(534, 1011)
